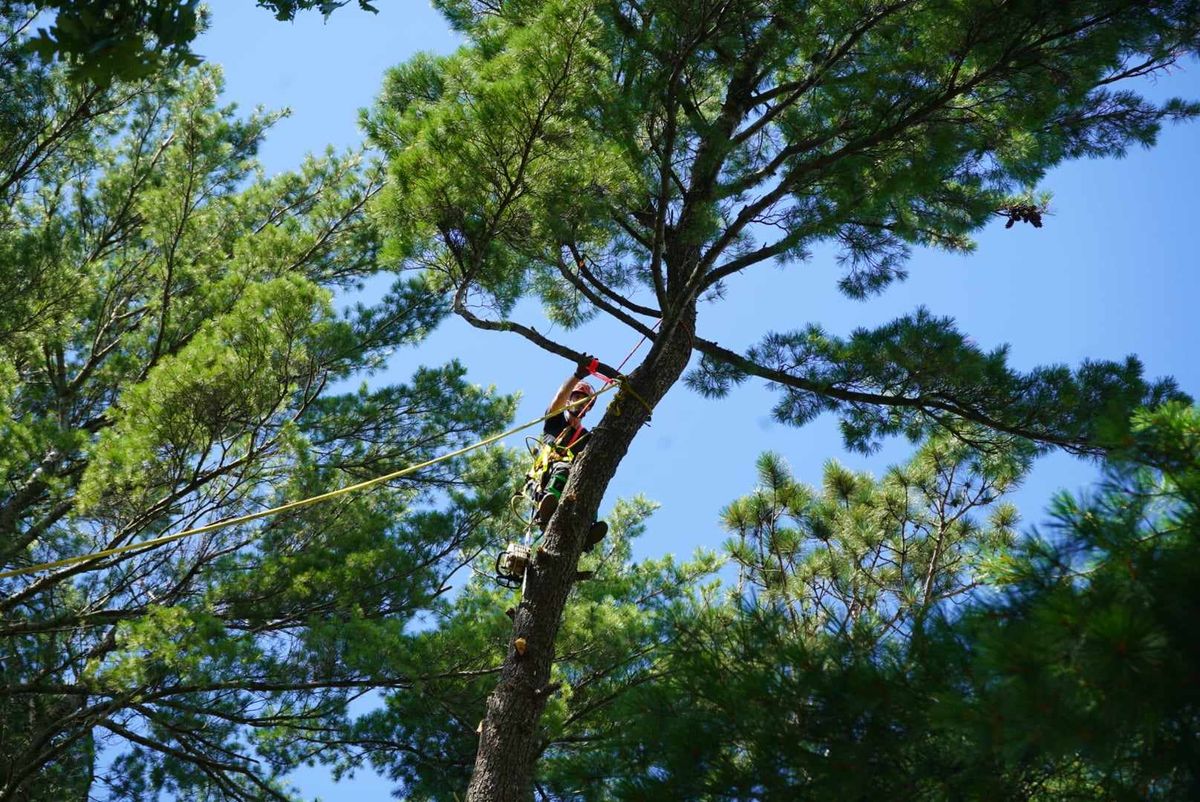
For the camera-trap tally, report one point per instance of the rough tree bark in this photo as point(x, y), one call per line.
point(509, 742)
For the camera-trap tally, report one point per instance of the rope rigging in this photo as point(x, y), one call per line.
point(540, 460)
point(146, 545)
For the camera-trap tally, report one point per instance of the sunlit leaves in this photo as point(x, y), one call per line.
point(230, 378)
point(494, 162)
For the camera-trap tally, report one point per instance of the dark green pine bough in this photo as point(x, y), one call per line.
point(631, 158)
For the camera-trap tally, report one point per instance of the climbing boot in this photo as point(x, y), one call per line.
point(595, 535)
point(545, 509)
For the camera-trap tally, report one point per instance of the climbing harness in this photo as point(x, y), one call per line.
point(541, 480)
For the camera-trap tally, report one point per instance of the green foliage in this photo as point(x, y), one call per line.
point(492, 159)
point(1073, 680)
point(633, 158)
point(129, 39)
point(170, 355)
point(1088, 661)
point(927, 358)
point(609, 645)
point(234, 373)
point(285, 10)
point(746, 711)
point(866, 559)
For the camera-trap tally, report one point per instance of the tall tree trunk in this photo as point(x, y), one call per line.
point(510, 744)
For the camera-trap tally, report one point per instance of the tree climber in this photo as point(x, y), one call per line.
point(565, 437)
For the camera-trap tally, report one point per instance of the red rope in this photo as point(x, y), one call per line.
point(636, 347)
point(606, 379)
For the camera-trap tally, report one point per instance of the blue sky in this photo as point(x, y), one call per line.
point(1113, 272)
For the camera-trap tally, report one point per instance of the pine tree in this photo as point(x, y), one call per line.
point(170, 355)
point(1071, 677)
point(866, 558)
point(631, 159)
point(1085, 668)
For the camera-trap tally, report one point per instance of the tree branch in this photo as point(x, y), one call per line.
point(599, 301)
point(529, 333)
point(923, 403)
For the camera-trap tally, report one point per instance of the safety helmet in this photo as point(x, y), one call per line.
point(583, 388)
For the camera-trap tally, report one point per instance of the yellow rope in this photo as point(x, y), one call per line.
point(629, 389)
point(240, 519)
